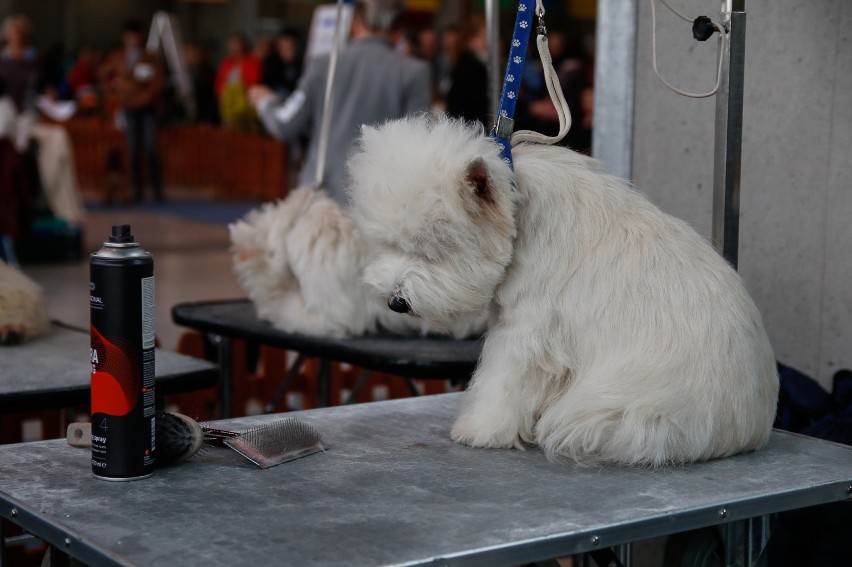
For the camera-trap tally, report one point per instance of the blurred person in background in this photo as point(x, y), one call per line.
point(83, 80)
point(466, 81)
point(20, 71)
point(19, 82)
point(134, 77)
point(15, 198)
point(283, 65)
point(574, 71)
point(53, 81)
point(203, 77)
point(264, 47)
point(373, 84)
point(428, 50)
point(238, 72)
point(400, 38)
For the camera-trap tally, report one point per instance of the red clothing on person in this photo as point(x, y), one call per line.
point(249, 70)
point(81, 75)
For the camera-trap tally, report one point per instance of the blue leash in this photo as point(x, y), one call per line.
point(502, 131)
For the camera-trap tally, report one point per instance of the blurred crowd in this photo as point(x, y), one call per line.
point(456, 56)
point(134, 89)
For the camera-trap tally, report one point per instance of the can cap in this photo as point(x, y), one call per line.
point(121, 234)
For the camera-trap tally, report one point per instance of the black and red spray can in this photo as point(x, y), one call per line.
point(122, 327)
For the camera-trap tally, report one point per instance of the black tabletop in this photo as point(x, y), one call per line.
point(418, 357)
point(53, 371)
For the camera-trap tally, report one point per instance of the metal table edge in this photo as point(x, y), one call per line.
point(191, 381)
point(660, 525)
point(78, 396)
point(16, 513)
point(44, 400)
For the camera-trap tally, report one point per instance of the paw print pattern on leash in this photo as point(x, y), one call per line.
point(515, 68)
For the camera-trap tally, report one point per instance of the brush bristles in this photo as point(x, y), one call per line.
point(277, 442)
point(178, 437)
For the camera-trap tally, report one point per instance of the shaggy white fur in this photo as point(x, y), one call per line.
point(619, 334)
point(301, 261)
point(22, 311)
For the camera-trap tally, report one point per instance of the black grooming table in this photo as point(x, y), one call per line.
point(416, 357)
point(54, 371)
point(393, 489)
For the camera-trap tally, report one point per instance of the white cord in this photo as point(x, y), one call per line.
point(325, 126)
point(675, 12)
point(554, 89)
point(723, 38)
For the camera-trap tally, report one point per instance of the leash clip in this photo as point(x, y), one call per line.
point(504, 127)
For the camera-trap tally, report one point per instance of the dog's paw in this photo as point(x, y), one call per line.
point(486, 433)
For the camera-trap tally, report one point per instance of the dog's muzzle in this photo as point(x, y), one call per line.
point(398, 304)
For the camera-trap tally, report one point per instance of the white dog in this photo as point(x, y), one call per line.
point(301, 261)
point(23, 315)
point(619, 334)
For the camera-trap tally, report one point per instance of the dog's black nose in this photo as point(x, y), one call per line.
point(398, 304)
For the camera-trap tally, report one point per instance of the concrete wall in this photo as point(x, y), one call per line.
point(796, 202)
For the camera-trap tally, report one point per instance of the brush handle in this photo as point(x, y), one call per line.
point(79, 434)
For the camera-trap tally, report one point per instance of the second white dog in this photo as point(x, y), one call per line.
point(620, 334)
point(301, 261)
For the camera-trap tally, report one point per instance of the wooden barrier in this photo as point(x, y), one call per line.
point(230, 164)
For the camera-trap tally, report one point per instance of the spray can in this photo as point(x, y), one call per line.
point(122, 356)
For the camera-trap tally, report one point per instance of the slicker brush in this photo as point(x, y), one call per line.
point(180, 437)
point(277, 442)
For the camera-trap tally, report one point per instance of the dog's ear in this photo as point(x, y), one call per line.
point(477, 178)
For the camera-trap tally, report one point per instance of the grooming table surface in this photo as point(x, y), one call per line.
point(411, 356)
point(53, 371)
point(392, 488)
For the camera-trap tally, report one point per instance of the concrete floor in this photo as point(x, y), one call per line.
point(191, 263)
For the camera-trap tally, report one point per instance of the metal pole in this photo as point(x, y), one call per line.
point(492, 30)
point(729, 135)
point(226, 372)
point(615, 79)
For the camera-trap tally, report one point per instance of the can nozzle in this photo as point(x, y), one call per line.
point(121, 234)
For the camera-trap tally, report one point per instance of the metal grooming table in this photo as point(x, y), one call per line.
point(53, 372)
point(392, 488)
point(417, 357)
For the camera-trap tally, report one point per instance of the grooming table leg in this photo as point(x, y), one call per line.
point(3, 543)
point(412, 389)
point(745, 541)
point(225, 347)
point(324, 384)
point(359, 386)
point(282, 388)
point(732, 533)
point(758, 538)
point(605, 558)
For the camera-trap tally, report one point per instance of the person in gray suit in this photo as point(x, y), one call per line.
point(373, 84)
